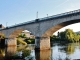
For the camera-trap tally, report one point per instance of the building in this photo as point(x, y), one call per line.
point(1, 26)
point(28, 34)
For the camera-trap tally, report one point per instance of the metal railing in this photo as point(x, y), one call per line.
point(62, 14)
point(45, 18)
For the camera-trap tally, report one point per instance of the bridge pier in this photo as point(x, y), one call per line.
point(10, 42)
point(42, 43)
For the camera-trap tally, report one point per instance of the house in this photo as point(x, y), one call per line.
point(1, 26)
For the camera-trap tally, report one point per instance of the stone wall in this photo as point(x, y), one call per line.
point(45, 43)
point(11, 42)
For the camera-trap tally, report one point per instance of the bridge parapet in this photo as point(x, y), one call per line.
point(62, 14)
point(42, 27)
point(45, 18)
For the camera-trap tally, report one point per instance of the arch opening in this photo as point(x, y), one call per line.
point(2, 39)
point(22, 36)
point(16, 32)
point(55, 28)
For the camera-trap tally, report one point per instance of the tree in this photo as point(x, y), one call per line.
point(62, 35)
point(53, 37)
point(22, 35)
point(68, 35)
point(2, 36)
point(19, 41)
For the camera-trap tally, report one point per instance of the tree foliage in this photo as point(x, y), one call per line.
point(30, 40)
point(68, 35)
point(22, 35)
point(2, 36)
point(19, 41)
point(25, 39)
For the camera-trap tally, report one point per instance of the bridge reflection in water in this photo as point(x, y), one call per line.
point(43, 55)
point(43, 27)
point(57, 52)
point(5, 53)
point(10, 50)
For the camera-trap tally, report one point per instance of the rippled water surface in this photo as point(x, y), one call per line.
point(70, 51)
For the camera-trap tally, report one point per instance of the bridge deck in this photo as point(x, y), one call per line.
point(45, 18)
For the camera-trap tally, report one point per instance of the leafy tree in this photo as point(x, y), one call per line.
point(26, 40)
point(67, 35)
point(53, 37)
point(22, 35)
point(19, 41)
point(26, 53)
point(30, 40)
point(62, 35)
point(2, 36)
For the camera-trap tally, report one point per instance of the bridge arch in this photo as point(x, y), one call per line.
point(44, 27)
point(1, 33)
point(45, 37)
point(2, 39)
point(11, 41)
point(58, 26)
point(16, 32)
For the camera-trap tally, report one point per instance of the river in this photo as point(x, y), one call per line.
point(58, 51)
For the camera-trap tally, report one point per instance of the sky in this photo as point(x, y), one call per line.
point(18, 11)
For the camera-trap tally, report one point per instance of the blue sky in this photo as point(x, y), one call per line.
point(18, 11)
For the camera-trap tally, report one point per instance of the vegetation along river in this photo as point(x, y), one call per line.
point(58, 51)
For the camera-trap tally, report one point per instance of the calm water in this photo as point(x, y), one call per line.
point(58, 51)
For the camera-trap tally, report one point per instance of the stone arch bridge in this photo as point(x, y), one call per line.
point(42, 28)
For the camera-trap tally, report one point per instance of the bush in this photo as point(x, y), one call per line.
point(26, 53)
point(30, 41)
point(19, 41)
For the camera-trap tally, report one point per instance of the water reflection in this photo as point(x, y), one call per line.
point(2, 53)
point(10, 50)
point(58, 51)
point(43, 55)
point(65, 52)
point(17, 52)
point(25, 52)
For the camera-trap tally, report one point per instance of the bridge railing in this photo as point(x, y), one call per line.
point(23, 23)
point(62, 14)
point(45, 18)
point(17, 24)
